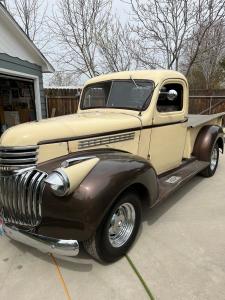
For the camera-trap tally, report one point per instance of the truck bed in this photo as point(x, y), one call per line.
point(197, 120)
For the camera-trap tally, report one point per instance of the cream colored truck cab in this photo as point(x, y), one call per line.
point(83, 177)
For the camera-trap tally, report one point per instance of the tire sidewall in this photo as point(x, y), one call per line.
point(106, 251)
point(212, 172)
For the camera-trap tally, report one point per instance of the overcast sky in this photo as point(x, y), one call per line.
point(119, 7)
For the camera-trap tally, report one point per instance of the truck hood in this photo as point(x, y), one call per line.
point(66, 127)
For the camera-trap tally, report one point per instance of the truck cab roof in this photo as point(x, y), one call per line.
point(155, 75)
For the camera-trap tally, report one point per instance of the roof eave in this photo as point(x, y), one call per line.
point(46, 66)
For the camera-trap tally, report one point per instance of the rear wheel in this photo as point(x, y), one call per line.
point(117, 232)
point(214, 159)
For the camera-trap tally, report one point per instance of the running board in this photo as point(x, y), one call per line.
point(175, 179)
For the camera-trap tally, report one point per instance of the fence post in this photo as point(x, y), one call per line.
point(210, 105)
point(46, 105)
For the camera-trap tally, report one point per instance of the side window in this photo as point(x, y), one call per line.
point(168, 103)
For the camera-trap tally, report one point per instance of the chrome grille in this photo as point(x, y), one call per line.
point(106, 140)
point(21, 196)
point(18, 157)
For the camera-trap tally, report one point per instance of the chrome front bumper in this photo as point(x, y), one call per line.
point(67, 248)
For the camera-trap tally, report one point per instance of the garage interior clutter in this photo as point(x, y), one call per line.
point(17, 101)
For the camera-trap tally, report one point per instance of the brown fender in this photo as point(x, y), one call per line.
point(77, 216)
point(205, 141)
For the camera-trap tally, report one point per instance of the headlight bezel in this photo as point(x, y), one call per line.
point(58, 182)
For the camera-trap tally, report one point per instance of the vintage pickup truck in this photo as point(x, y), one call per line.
point(84, 178)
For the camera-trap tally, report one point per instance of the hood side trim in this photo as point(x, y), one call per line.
point(83, 137)
point(89, 143)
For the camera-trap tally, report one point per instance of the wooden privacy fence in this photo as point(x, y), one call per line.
point(207, 102)
point(62, 101)
point(61, 105)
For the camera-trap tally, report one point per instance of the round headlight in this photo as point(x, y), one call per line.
point(58, 182)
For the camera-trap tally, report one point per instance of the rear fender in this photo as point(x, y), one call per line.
point(207, 137)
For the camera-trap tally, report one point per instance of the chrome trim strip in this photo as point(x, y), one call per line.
point(105, 140)
point(73, 161)
point(67, 248)
point(15, 199)
point(16, 154)
point(24, 196)
point(12, 158)
point(17, 160)
point(37, 192)
point(10, 170)
point(10, 195)
point(21, 196)
point(30, 196)
point(20, 148)
point(6, 199)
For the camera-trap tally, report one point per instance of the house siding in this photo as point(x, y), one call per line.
point(18, 65)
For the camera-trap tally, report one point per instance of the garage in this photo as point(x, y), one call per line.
point(17, 101)
point(22, 66)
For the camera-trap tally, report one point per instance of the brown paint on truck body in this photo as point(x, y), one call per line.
point(206, 140)
point(79, 214)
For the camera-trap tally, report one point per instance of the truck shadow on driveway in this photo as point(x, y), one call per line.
point(153, 215)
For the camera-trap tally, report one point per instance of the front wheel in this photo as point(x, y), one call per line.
point(117, 232)
point(214, 159)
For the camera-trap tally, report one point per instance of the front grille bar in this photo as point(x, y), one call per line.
point(21, 197)
point(18, 157)
point(16, 154)
point(17, 160)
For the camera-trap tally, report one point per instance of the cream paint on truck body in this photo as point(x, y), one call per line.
point(149, 134)
point(72, 127)
point(192, 132)
point(167, 143)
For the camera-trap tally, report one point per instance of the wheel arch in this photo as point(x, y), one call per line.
point(141, 190)
point(207, 137)
point(145, 185)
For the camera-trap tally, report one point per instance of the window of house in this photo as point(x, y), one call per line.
point(166, 105)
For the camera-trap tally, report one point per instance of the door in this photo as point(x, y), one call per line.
point(169, 126)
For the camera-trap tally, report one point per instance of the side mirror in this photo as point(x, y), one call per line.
point(172, 95)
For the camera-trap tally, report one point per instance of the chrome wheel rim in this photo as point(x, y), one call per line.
point(121, 225)
point(214, 158)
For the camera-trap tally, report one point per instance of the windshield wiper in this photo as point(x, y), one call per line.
point(134, 82)
point(146, 100)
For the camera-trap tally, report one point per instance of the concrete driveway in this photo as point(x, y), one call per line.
point(179, 254)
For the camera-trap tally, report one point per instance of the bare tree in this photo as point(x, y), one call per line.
point(76, 25)
point(209, 15)
point(63, 79)
point(164, 28)
point(31, 15)
point(208, 63)
point(161, 27)
point(116, 47)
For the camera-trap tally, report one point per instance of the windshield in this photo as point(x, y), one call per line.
point(118, 94)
